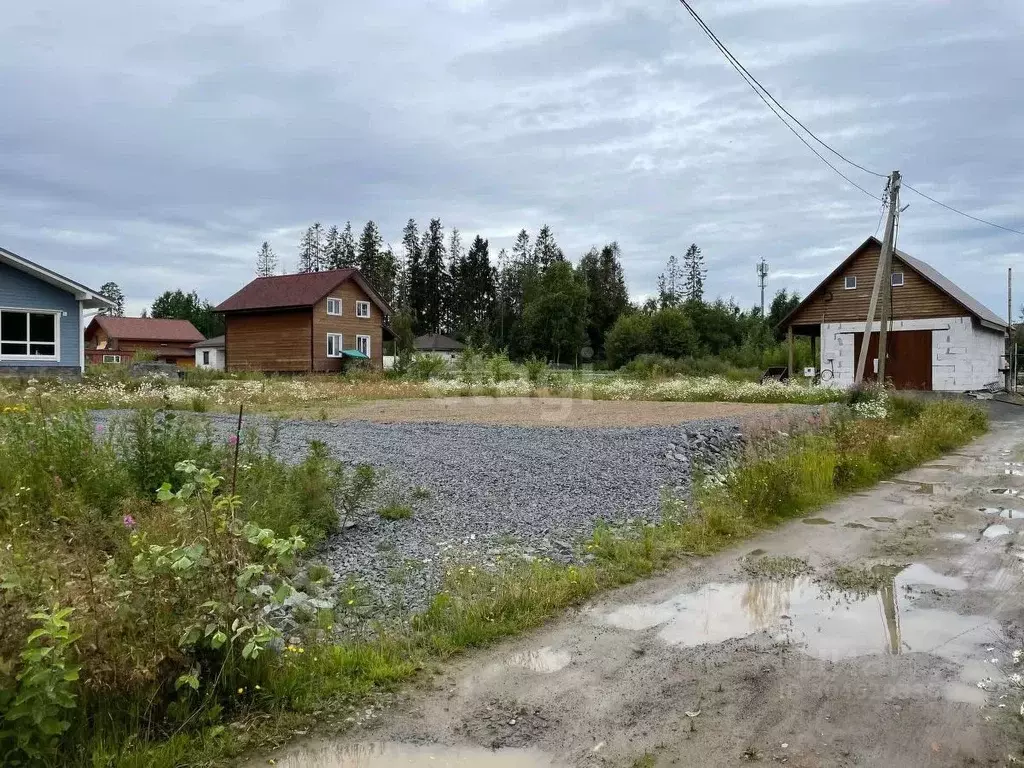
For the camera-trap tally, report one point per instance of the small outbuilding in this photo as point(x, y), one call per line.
point(437, 344)
point(940, 338)
point(210, 353)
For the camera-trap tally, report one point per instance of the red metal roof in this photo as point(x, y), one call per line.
point(302, 290)
point(148, 329)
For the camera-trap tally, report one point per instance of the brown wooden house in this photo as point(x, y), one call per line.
point(303, 323)
point(940, 338)
point(118, 339)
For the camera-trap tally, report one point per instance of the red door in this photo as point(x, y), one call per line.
point(909, 360)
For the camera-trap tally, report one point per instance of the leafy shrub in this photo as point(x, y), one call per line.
point(628, 338)
point(535, 370)
point(315, 496)
point(427, 366)
point(500, 368)
point(36, 704)
point(153, 441)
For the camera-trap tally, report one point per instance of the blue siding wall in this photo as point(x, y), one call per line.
point(24, 291)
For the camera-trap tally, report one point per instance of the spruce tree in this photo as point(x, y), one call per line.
point(545, 250)
point(670, 284)
point(113, 292)
point(434, 276)
point(346, 248)
point(332, 248)
point(694, 274)
point(312, 251)
point(602, 272)
point(368, 255)
point(415, 293)
point(266, 261)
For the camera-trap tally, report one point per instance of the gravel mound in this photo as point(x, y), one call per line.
point(493, 493)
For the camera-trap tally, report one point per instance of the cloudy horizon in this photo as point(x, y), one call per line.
point(158, 147)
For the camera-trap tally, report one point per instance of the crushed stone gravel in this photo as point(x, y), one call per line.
point(492, 493)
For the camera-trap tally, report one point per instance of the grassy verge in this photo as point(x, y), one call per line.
point(261, 700)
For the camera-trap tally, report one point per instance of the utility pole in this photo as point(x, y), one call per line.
point(762, 278)
point(1010, 381)
point(883, 286)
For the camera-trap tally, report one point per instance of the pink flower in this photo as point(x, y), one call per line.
point(129, 521)
point(99, 428)
point(233, 440)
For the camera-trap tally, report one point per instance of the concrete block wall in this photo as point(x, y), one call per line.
point(964, 356)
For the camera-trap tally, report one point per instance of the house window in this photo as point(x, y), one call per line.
point(851, 282)
point(28, 334)
point(362, 309)
point(111, 358)
point(334, 345)
point(334, 306)
point(363, 344)
point(897, 279)
point(206, 357)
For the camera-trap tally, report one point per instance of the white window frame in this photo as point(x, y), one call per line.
point(111, 358)
point(339, 345)
point(56, 314)
point(360, 305)
point(207, 359)
point(367, 351)
point(892, 280)
point(331, 301)
point(847, 286)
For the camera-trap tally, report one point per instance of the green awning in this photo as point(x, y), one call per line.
point(354, 354)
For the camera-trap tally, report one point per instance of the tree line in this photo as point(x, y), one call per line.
point(531, 300)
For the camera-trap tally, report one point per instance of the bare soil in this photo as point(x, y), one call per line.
point(547, 411)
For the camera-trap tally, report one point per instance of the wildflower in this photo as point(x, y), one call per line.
point(99, 429)
point(241, 691)
point(128, 521)
point(233, 440)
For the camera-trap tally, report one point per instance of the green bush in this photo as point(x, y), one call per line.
point(314, 496)
point(628, 338)
point(535, 370)
point(152, 442)
point(427, 366)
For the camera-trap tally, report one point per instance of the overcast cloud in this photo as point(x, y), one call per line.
point(158, 145)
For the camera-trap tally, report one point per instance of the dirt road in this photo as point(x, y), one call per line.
point(710, 666)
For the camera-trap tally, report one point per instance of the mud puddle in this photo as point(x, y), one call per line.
point(1004, 512)
point(996, 531)
point(543, 660)
point(827, 624)
point(394, 754)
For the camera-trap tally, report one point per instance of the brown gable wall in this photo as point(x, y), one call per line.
point(348, 325)
point(916, 298)
point(268, 341)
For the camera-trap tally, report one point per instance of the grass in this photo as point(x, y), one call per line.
point(326, 396)
point(321, 681)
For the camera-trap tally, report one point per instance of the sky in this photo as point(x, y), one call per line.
point(157, 145)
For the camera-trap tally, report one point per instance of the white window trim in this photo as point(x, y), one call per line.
point(57, 314)
point(368, 351)
point(340, 346)
point(892, 280)
point(846, 283)
point(341, 307)
point(113, 359)
point(359, 307)
point(207, 357)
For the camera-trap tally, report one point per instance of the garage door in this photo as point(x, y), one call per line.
point(909, 364)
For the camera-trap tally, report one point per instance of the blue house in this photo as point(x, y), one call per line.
point(42, 319)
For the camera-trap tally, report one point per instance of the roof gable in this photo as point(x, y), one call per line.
point(90, 299)
point(927, 273)
point(301, 290)
point(146, 329)
point(436, 342)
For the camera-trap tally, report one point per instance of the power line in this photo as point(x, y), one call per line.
point(957, 210)
point(771, 102)
point(755, 85)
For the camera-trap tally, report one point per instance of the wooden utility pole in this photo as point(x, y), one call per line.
point(882, 287)
point(1010, 381)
